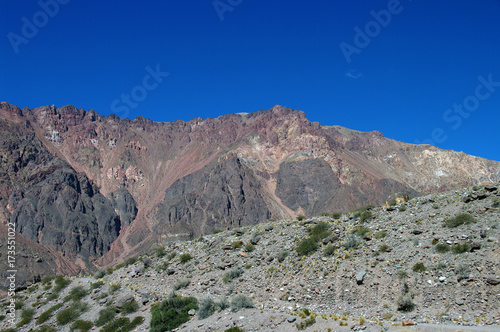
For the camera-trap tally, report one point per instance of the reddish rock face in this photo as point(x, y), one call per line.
point(164, 181)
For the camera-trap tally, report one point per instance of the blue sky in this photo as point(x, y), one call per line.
point(416, 70)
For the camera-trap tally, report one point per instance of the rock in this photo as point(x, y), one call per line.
point(360, 276)
point(493, 280)
point(119, 302)
point(475, 246)
point(192, 312)
point(269, 228)
point(330, 239)
point(490, 188)
point(408, 323)
point(291, 319)
point(442, 279)
point(103, 301)
point(417, 231)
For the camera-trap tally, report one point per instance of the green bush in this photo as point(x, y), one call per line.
point(162, 266)
point(171, 313)
point(237, 244)
point(496, 202)
point(419, 267)
point(81, 326)
point(99, 274)
point(130, 261)
point(114, 288)
point(329, 250)
point(364, 216)
point(68, 315)
point(381, 234)
point(232, 274)
point(305, 323)
point(129, 307)
point(96, 285)
point(461, 219)
point(61, 283)
point(249, 247)
point(383, 248)
point(282, 255)
point(336, 215)
point(209, 306)
point(241, 301)
point(181, 283)
point(26, 317)
point(402, 208)
point(319, 231)
point(460, 248)
point(47, 314)
point(184, 258)
point(405, 303)
point(301, 217)
point(442, 248)
point(159, 251)
point(106, 315)
point(306, 247)
point(351, 243)
point(234, 329)
point(402, 274)
point(123, 324)
point(360, 230)
point(47, 280)
point(76, 294)
point(46, 328)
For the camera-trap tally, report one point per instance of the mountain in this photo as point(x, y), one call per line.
point(94, 189)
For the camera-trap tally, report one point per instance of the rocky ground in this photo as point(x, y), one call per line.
point(374, 269)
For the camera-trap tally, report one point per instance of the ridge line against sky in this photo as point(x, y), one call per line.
point(415, 70)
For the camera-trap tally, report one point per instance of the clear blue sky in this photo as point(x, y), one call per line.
point(403, 77)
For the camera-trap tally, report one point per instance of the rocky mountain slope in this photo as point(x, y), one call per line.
point(117, 186)
point(430, 262)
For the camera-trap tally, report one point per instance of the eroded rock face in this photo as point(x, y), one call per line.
point(165, 180)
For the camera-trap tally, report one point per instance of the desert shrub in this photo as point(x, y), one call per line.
point(47, 280)
point(129, 307)
point(45, 316)
point(405, 303)
point(123, 324)
point(460, 248)
point(76, 294)
point(383, 248)
point(162, 266)
point(60, 284)
point(462, 271)
point(241, 301)
point(26, 317)
point(381, 234)
point(232, 274)
point(336, 215)
point(282, 255)
point(237, 244)
point(81, 325)
point(402, 208)
point(329, 250)
point(249, 247)
point(184, 258)
point(234, 329)
point(402, 274)
point(216, 231)
point(46, 328)
point(442, 248)
point(207, 306)
point(114, 288)
point(99, 274)
point(419, 267)
point(130, 261)
point(159, 251)
point(255, 238)
point(319, 231)
point(71, 313)
point(171, 313)
point(360, 230)
point(496, 202)
point(96, 285)
point(106, 315)
point(301, 217)
point(306, 247)
point(460, 219)
point(364, 216)
point(181, 283)
point(2, 317)
point(351, 243)
point(305, 323)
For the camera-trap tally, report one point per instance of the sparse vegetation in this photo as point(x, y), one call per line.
point(159, 251)
point(461, 219)
point(71, 313)
point(208, 306)
point(329, 250)
point(184, 258)
point(405, 303)
point(45, 316)
point(81, 326)
point(351, 243)
point(282, 255)
point(380, 234)
point(76, 294)
point(442, 248)
point(361, 230)
point(301, 217)
point(319, 231)
point(306, 247)
point(181, 283)
point(171, 313)
point(106, 315)
point(232, 274)
point(129, 307)
point(240, 301)
point(96, 285)
point(123, 324)
point(237, 244)
point(26, 317)
point(460, 248)
point(419, 267)
point(249, 247)
point(336, 215)
point(365, 215)
point(99, 274)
